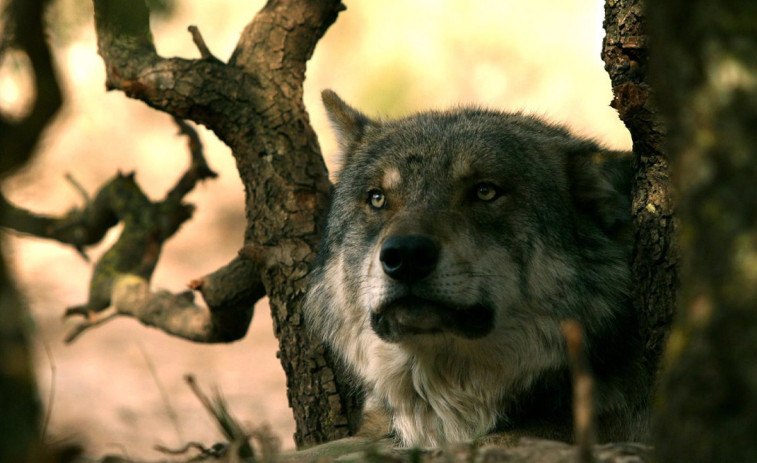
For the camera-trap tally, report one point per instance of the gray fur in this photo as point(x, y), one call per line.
point(553, 244)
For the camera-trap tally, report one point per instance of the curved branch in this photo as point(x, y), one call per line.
point(78, 227)
point(147, 225)
point(18, 139)
point(225, 98)
point(198, 90)
point(230, 294)
point(283, 36)
point(117, 200)
point(198, 169)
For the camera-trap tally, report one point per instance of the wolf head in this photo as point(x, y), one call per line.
point(463, 238)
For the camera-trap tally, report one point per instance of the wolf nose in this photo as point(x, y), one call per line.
point(409, 258)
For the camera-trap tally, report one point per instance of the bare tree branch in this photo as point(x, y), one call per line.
point(230, 294)
point(254, 104)
point(24, 30)
point(147, 225)
point(205, 91)
point(198, 170)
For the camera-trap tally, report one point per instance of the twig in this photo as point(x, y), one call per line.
point(78, 187)
point(200, 43)
point(216, 450)
point(583, 391)
point(198, 169)
point(93, 320)
point(227, 423)
point(163, 394)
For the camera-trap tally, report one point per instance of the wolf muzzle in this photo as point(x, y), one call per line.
point(408, 259)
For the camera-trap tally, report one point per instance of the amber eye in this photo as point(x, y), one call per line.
point(487, 191)
point(376, 199)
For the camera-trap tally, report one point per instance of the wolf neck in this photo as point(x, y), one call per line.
point(440, 390)
point(433, 398)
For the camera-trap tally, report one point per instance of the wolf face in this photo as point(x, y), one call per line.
point(455, 245)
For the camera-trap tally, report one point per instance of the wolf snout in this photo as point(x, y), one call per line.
point(409, 258)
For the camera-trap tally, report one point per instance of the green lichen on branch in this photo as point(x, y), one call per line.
point(146, 226)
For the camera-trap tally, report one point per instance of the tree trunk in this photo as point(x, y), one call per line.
point(655, 255)
point(706, 68)
point(254, 104)
point(20, 425)
point(20, 411)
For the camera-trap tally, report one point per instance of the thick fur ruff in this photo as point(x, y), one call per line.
point(456, 244)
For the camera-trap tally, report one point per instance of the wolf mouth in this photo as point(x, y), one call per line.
point(412, 315)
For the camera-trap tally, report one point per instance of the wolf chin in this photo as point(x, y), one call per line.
point(456, 244)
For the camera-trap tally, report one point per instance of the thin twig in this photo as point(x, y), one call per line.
point(78, 187)
point(198, 169)
point(583, 391)
point(228, 424)
point(200, 43)
point(216, 450)
point(93, 319)
point(163, 394)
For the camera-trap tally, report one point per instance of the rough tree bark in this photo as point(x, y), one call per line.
point(254, 104)
point(655, 257)
point(706, 68)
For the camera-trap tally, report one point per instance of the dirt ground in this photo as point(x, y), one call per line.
point(120, 389)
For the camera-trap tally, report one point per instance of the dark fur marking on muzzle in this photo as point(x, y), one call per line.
point(412, 315)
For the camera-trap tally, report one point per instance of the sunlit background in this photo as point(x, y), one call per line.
point(388, 58)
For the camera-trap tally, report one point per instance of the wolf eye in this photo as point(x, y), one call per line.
point(376, 199)
point(487, 191)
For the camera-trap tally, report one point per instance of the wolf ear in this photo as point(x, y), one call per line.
point(601, 186)
point(349, 124)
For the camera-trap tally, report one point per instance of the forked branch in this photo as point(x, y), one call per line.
point(120, 283)
point(254, 104)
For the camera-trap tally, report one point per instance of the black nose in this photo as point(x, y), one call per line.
point(409, 258)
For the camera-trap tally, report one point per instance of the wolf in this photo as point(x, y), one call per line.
point(456, 243)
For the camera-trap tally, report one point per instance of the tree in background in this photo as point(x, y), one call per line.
point(20, 427)
point(705, 72)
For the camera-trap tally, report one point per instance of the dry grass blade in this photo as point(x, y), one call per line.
point(583, 391)
point(231, 429)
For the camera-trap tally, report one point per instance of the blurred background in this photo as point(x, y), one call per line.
point(387, 58)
